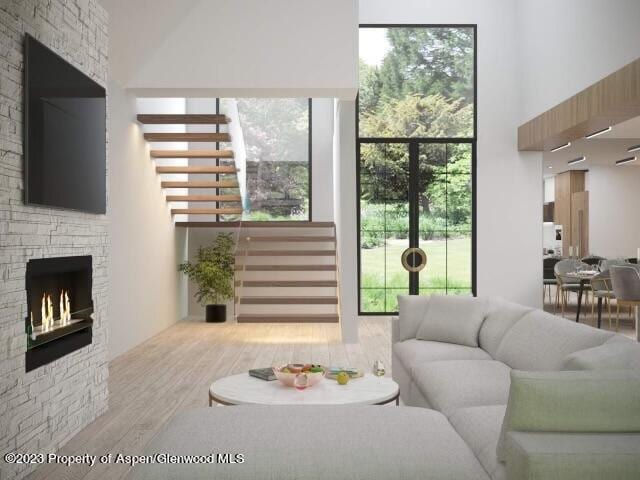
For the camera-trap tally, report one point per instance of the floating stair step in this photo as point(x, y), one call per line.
point(206, 211)
point(203, 198)
point(194, 169)
point(187, 137)
point(289, 318)
point(256, 224)
point(286, 268)
point(286, 253)
point(292, 238)
point(289, 300)
point(287, 283)
point(192, 153)
point(201, 184)
point(161, 119)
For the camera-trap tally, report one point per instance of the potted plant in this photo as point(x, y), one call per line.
point(213, 272)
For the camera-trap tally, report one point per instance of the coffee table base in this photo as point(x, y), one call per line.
point(213, 399)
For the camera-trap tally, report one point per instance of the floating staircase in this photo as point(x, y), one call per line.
point(220, 198)
point(286, 272)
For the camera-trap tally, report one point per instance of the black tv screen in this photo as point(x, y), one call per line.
point(65, 133)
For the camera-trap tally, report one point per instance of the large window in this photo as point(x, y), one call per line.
point(416, 159)
point(272, 139)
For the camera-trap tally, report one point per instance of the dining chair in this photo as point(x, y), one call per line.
point(566, 285)
point(607, 263)
point(601, 289)
point(548, 275)
point(625, 281)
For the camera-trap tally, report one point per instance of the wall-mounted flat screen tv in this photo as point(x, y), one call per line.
point(65, 133)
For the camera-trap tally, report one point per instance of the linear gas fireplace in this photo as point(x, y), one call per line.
point(59, 308)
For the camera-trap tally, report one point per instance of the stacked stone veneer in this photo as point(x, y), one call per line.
point(40, 410)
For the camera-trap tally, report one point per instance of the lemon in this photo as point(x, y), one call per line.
point(342, 378)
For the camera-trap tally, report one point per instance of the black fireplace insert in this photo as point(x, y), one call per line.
point(59, 308)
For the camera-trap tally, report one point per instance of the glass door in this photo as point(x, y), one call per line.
point(384, 224)
point(414, 194)
point(445, 210)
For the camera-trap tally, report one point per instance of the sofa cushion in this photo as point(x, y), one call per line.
point(480, 427)
point(416, 352)
point(573, 456)
point(320, 442)
point(411, 309)
point(609, 356)
point(541, 341)
point(501, 316)
point(453, 384)
point(453, 319)
point(586, 401)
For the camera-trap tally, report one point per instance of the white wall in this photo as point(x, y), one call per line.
point(567, 45)
point(322, 160)
point(236, 48)
point(614, 223)
point(145, 246)
point(549, 189)
point(509, 197)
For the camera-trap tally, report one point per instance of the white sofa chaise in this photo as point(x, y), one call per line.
point(471, 385)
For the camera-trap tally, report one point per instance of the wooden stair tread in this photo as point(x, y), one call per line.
point(187, 137)
point(182, 119)
point(289, 318)
point(200, 184)
point(206, 211)
point(195, 169)
point(287, 283)
point(286, 253)
point(289, 238)
point(204, 198)
point(286, 268)
point(317, 300)
point(192, 153)
point(256, 224)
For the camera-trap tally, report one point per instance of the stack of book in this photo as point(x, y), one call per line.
point(263, 373)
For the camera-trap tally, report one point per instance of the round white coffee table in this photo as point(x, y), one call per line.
point(243, 389)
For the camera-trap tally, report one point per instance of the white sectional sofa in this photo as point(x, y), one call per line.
point(489, 399)
point(573, 392)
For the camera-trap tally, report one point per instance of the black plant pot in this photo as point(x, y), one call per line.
point(216, 313)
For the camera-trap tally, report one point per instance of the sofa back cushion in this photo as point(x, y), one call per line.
point(614, 354)
point(501, 316)
point(453, 319)
point(411, 312)
point(541, 341)
point(594, 401)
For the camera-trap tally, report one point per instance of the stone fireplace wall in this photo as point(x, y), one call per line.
point(40, 410)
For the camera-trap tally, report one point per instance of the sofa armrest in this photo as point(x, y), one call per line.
point(395, 330)
point(572, 456)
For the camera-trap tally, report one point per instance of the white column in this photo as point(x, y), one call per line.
point(344, 144)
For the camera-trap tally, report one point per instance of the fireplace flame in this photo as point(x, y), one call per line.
point(46, 310)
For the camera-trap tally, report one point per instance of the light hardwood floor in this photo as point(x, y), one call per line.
point(172, 372)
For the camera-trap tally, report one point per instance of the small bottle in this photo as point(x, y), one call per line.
point(378, 368)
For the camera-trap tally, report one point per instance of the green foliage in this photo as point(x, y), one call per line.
point(213, 270)
point(416, 115)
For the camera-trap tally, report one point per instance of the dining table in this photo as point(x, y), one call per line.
point(583, 278)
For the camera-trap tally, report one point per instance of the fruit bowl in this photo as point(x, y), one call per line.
point(287, 374)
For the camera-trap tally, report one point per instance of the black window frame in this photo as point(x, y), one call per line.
point(414, 142)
